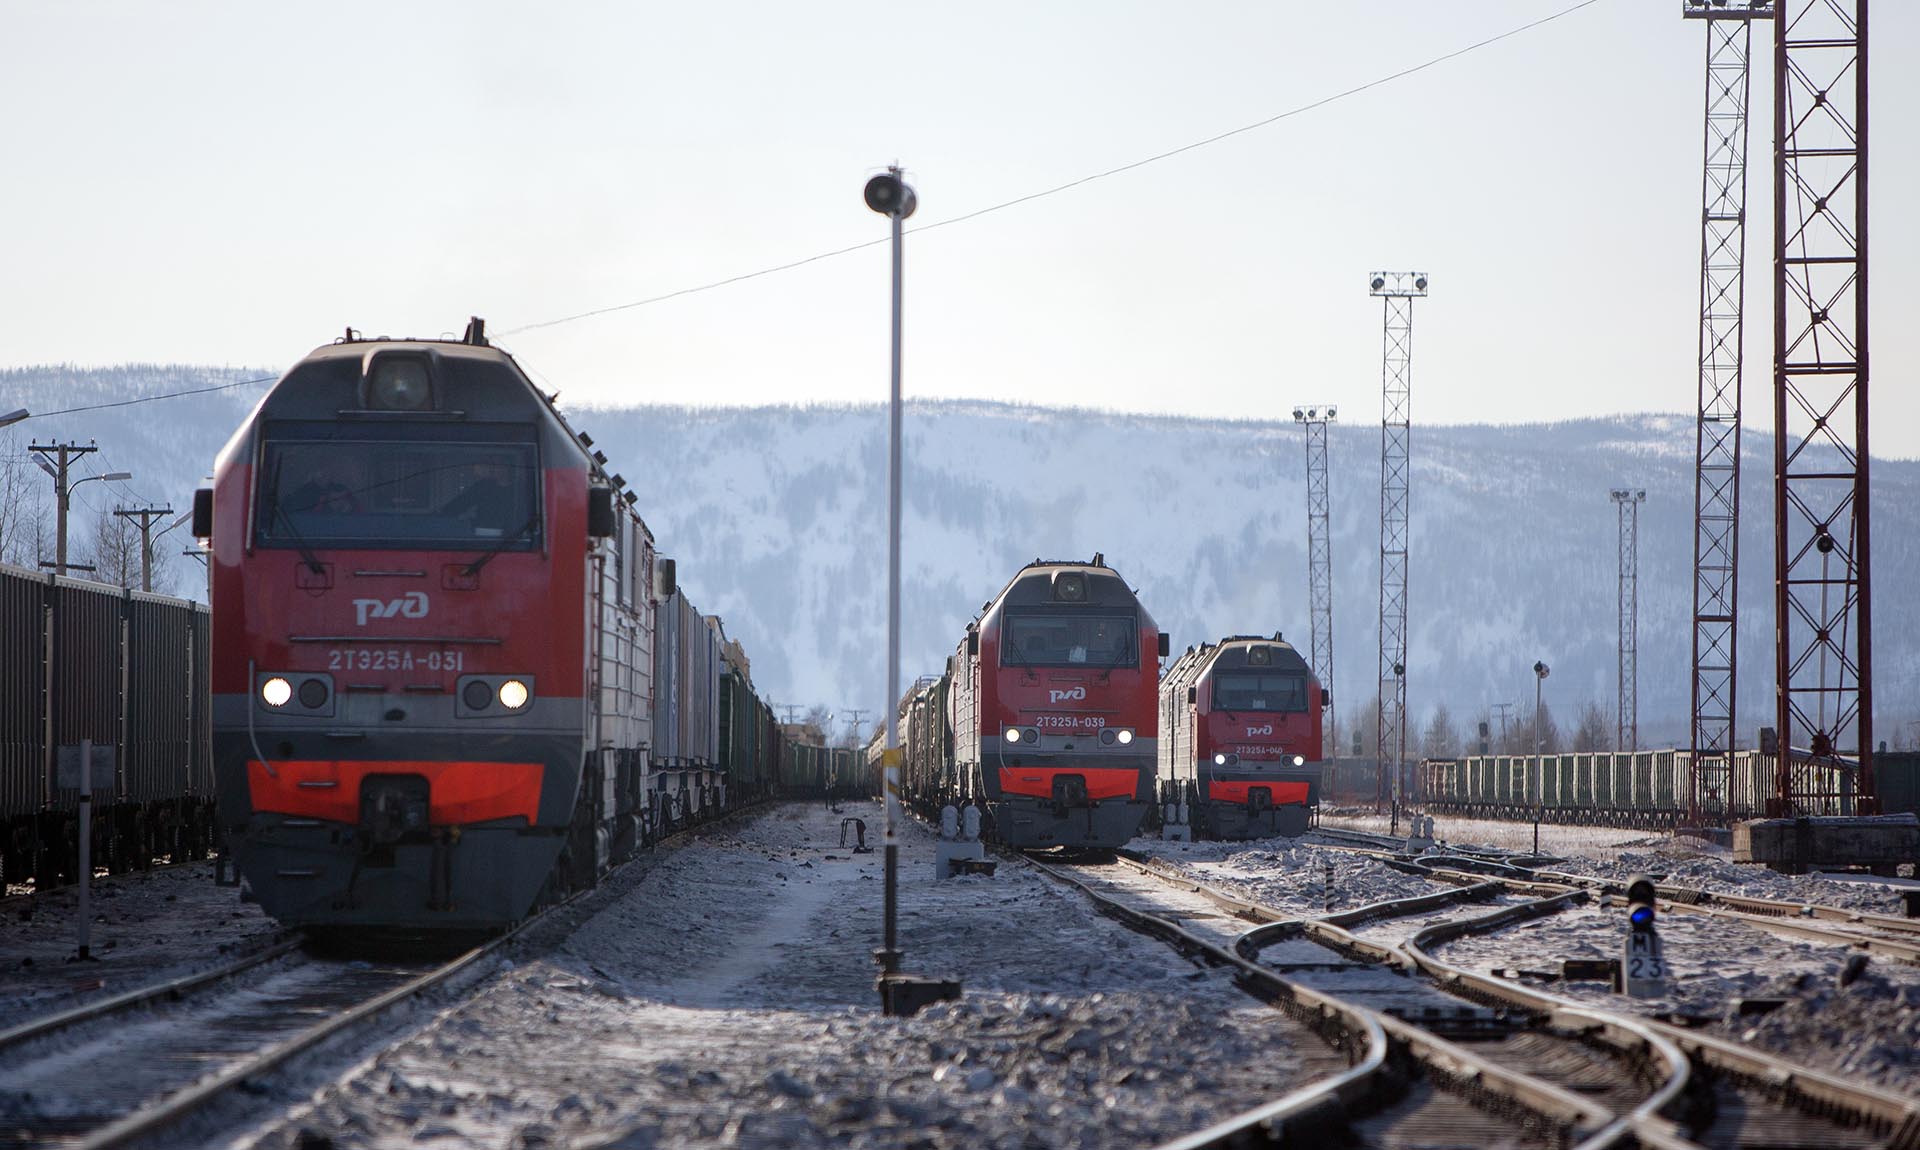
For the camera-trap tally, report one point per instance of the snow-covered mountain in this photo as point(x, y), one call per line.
point(777, 517)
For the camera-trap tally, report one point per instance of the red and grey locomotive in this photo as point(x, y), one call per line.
point(431, 632)
point(1241, 738)
point(1045, 717)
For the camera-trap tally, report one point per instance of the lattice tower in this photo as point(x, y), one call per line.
point(1716, 501)
point(1822, 542)
point(1627, 728)
point(1397, 291)
point(1320, 556)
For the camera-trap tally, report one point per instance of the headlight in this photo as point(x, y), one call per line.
point(1125, 736)
point(313, 693)
point(1220, 760)
point(276, 691)
point(1012, 735)
point(1299, 760)
point(399, 384)
point(513, 694)
point(477, 695)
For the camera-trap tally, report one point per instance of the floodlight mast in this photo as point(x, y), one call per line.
point(1823, 654)
point(1320, 555)
point(1397, 291)
point(890, 195)
point(1716, 503)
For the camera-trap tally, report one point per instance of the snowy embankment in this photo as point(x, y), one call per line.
point(147, 928)
point(728, 998)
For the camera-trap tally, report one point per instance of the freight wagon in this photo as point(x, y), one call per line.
point(1636, 789)
point(128, 671)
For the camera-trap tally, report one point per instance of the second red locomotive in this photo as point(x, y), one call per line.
point(1242, 738)
point(1045, 717)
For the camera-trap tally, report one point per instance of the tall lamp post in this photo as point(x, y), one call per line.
point(1540, 673)
point(56, 459)
point(890, 195)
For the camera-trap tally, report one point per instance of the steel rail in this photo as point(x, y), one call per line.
point(1772, 915)
point(1325, 1104)
point(171, 1108)
point(1636, 1042)
point(1791, 1085)
point(1790, 919)
point(1810, 1091)
point(172, 989)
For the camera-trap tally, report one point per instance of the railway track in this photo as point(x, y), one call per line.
point(1882, 935)
point(1422, 1073)
point(131, 1069)
point(118, 1071)
point(1738, 1097)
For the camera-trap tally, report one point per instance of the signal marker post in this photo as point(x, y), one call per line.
point(1643, 968)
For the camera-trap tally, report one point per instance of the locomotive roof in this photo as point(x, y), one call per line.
point(1196, 661)
point(1105, 587)
point(472, 349)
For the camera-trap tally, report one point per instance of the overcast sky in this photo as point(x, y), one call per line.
point(235, 183)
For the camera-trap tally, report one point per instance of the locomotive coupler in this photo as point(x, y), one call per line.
point(440, 882)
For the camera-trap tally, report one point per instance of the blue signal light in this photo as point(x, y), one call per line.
point(1640, 916)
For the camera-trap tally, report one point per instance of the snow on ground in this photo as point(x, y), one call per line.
point(1287, 874)
point(1866, 1029)
point(148, 927)
point(728, 999)
point(1612, 853)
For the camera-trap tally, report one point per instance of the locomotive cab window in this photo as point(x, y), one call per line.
point(365, 487)
point(1259, 691)
point(1069, 640)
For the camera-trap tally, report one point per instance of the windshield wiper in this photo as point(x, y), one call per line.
point(501, 544)
point(275, 511)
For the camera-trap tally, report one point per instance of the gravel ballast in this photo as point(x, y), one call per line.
point(728, 999)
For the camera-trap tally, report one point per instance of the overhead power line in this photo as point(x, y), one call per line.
point(930, 226)
point(1070, 184)
point(152, 398)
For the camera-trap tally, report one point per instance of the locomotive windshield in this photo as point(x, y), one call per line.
point(1259, 691)
point(1069, 639)
point(382, 491)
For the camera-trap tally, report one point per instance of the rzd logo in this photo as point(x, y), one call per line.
point(1262, 730)
point(1073, 695)
point(412, 605)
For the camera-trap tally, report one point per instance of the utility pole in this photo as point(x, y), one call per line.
point(1823, 590)
point(791, 709)
point(1319, 551)
point(1502, 709)
point(1716, 488)
point(1627, 725)
point(55, 459)
point(146, 516)
point(854, 716)
point(1397, 291)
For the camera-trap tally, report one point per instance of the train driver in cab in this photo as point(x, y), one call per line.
point(485, 497)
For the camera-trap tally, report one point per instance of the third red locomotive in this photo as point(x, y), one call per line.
point(1242, 738)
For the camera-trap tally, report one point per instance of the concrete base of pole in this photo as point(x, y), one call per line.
point(946, 853)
